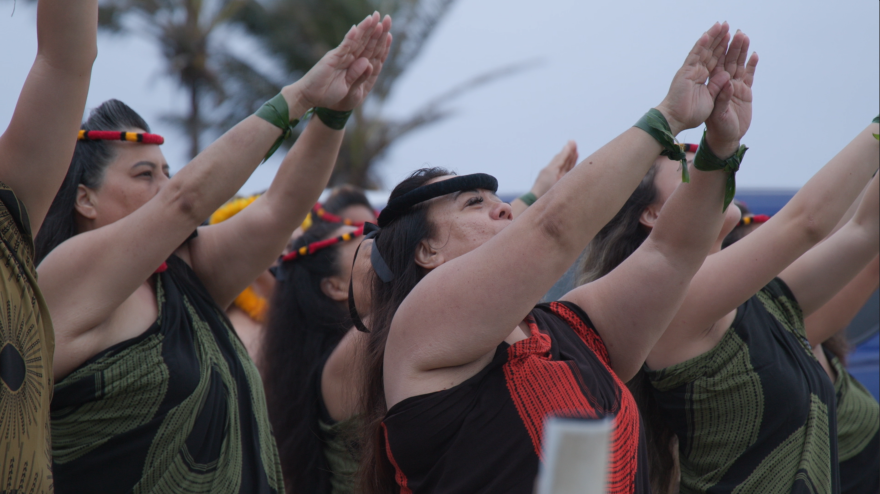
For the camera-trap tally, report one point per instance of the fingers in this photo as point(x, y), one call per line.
point(571, 157)
point(358, 72)
point(733, 53)
point(718, 54)
point(719, 81)
point(749, 77)
point(741, 60)
point(358, 37)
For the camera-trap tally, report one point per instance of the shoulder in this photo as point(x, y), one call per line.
point(575, 318)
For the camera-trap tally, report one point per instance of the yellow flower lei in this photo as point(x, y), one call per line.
point(231, 208)
point(252, 304)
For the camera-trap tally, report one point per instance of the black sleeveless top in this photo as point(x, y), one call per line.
point(757, 412)
point(485, 435)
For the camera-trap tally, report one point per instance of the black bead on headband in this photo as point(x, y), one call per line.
point(401, 205)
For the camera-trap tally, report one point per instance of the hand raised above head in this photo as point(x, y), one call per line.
point(561, 164)
point(691, 99)
point(343, 78)
point(732, 115)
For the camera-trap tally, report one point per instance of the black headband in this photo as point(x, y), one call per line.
point(401, 205)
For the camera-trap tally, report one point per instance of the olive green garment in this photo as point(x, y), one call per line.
point(341, 453)
point(27, 344)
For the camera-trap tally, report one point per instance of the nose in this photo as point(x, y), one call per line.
point(502, 211)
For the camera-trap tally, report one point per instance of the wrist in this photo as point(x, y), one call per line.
point(297, 104)
point(722, 148)
point(675, 127)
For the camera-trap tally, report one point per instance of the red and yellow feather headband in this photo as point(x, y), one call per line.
point(322, 244)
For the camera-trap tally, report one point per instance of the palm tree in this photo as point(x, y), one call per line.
point(289, 37)
point(294, 35)
point(183, 30)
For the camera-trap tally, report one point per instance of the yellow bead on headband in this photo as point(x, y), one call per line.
point(323, 244)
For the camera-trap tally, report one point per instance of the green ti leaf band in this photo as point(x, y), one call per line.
point(276, 113)
point(333, 118)
point(706, 161)
point(655, 124)
point(876, 120)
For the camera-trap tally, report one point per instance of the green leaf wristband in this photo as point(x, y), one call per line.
point(655, 124)
point(706, 161)
point(276, 113)
point(334, 119)
point(876, 120)
point(528, 198)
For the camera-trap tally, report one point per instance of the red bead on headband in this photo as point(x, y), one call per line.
point(753, 218)
point(329, 217)
point(113, 135)
point(323, 244)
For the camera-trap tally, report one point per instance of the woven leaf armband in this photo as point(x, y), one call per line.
point(655, 124)
point(706, 161)
point(276, 113)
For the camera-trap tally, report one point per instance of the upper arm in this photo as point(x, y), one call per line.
point(836, 315)
point(51, 103)
point(632, 304)
point(230, 255)
point(86, 278)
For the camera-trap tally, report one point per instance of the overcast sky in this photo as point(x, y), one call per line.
point(602, 65)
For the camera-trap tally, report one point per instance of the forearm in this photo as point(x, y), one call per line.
point(591, 194)
point(822, 201)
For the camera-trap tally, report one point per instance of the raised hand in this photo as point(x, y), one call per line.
point(561, 164)
point(691, 99)
point(732, 115)
point(345, 75)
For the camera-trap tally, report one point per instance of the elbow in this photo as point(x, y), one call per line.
point(186, 201)
point(812, 226)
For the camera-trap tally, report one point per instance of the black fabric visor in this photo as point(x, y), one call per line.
point(399, 206)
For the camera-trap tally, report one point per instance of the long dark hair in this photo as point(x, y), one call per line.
point(608, 249)
point(304, 325)
point(397, 242)
point(90, 159)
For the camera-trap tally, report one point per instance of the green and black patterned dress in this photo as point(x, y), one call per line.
point(858, 433)
point(27, 345)
point(177, 409)
point(756, 414)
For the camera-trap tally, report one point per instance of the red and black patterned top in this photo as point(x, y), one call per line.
point(485, 435)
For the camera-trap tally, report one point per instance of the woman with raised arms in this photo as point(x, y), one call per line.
point(154, 392)
point(463, 368)
point(32, 167)
point(734, 377)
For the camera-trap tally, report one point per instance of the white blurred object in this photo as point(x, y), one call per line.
point(575, 456)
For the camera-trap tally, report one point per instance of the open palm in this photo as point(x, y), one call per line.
point(732, 114)
point(343, 78)
point(690, 99)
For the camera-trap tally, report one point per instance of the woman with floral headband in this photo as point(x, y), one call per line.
point(35, 151)
point(155, 392)
point(462, 368)
point(249, 310)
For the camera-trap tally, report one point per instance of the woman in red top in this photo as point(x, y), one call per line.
point(463, 368)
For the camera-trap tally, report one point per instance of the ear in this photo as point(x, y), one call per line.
point(428, 257)
point(649, 216)
point(86, 202)
point(335, 288)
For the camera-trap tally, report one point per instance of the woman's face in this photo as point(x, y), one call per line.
point(668, 177)
point(465, 220)
point(134, 177)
